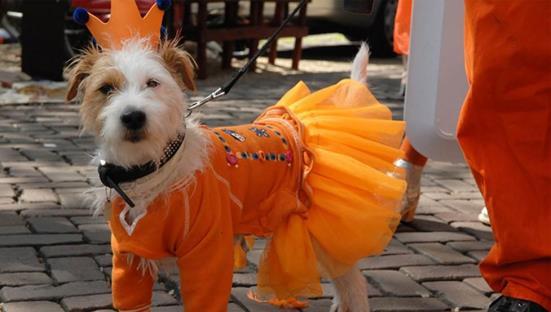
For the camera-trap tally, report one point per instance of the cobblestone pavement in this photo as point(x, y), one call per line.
point(54, 256)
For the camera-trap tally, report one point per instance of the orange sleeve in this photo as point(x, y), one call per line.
point(132, 289)
point(205, 258)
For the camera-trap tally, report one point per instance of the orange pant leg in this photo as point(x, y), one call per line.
point(402, 27)
point(505, 133)
point(412, 155)
point(132, 289)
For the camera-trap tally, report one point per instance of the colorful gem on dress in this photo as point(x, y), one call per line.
point(232, 160)
point(234, 135)
point(289, 157)
point(260, 132)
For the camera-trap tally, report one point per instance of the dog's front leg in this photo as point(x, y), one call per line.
point(206, 272)
point(132, 288)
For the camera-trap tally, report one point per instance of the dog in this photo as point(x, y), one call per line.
point(133, 101)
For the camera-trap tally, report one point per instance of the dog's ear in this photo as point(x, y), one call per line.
point(79, 69)
point(180, 64)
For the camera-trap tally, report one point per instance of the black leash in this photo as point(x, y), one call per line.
point(229, 85)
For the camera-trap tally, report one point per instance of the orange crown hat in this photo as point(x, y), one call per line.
point(125, 23)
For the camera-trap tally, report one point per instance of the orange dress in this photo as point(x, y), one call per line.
point(314, 176)
point(505, 133)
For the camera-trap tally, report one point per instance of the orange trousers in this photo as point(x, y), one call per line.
point(505, 133)
point(402, 27)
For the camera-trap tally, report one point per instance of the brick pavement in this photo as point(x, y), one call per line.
point(55, 257)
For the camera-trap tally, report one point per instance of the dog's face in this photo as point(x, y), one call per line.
point(132, 99)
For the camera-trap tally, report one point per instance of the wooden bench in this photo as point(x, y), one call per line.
point(252, 28)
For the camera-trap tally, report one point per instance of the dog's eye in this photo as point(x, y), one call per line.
point(106, 89)
point(152, 83)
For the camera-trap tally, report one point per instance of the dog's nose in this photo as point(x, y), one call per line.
point(133, 120)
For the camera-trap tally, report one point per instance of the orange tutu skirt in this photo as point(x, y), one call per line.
point(355, 190)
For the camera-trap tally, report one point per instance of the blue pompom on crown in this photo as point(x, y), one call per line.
point(80, 16)
point(164, 4)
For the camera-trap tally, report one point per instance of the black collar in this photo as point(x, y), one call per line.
point(112, 175)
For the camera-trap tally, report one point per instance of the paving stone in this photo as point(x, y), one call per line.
point(431, 224)
point(455, 216)
point(28, 207)
point(74, 250)
point(421, 237)
point(440, 253)
point(161, 298)
point(455, 185)
point(393, 262)
point(6, 191)
point(479, 284)
point(394, 283)
point(48, 292)
point(14, 229)
point(6, 200)
point(96, 233)
point(244, 279)
point(55, 212)
point(52, 225)
point(318, 305)
point(22, 180)
point(38, 195)
point(329, 290)
point(477, 229)
point(396, 248)
point(9, 218)
point(22, 278)
point(63, 174)
point(87, 220)
point(73, 201)
point(85, 303)
point(397, 304)
point(478, 255)
point(39, 239)
point(402, 227)
point(71, 269)
point(19, 259)
point(38, 306)
point(441, 272)
point(430, 206)
point(105, 260)
point(459, 294)
point(471, 246)
point(463, 205)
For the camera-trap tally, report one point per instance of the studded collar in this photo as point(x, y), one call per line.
point(112, 175)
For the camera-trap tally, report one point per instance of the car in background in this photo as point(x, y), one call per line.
point(377, 27)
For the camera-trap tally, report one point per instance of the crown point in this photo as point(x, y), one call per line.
point(80, 16)
point(164, 4)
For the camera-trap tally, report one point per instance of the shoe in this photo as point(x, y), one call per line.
point(413, 191)
point(484, 217)
point(508, 304)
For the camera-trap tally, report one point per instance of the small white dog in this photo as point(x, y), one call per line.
point(133, 102)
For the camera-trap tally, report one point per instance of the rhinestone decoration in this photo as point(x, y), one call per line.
point(260, 132)
point(234, 135)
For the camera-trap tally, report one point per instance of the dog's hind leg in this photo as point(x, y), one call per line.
point(351, 292)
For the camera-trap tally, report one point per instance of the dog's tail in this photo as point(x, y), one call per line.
point(359, 65)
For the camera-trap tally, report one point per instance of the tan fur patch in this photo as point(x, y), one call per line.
point(95, 75)
point(179, 63)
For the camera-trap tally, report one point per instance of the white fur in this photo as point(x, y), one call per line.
point(359, 65)
point(163, 105)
